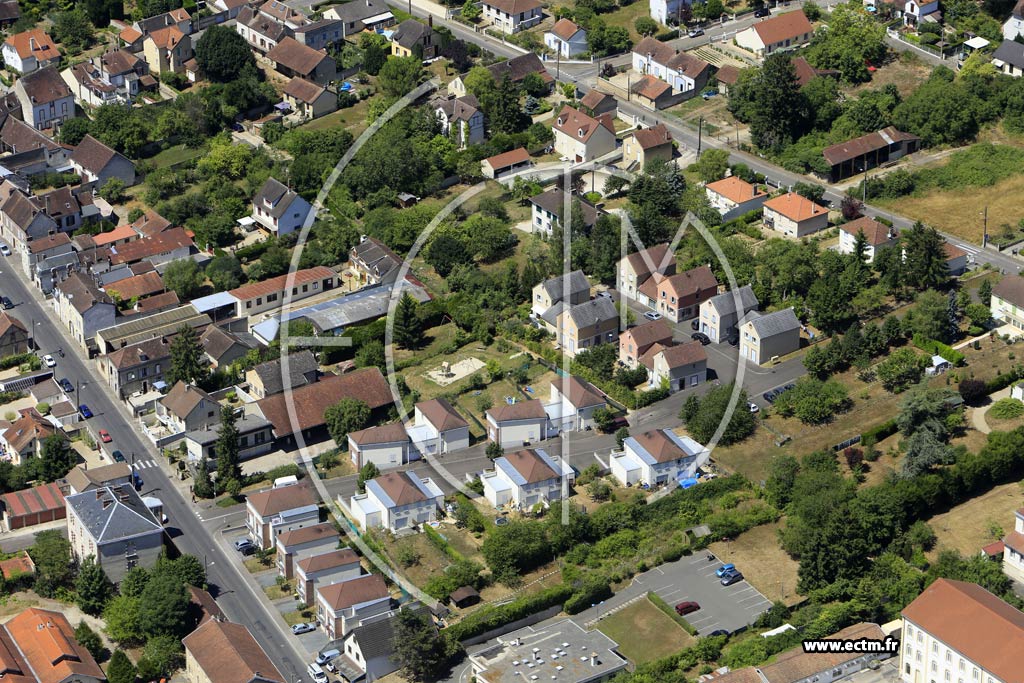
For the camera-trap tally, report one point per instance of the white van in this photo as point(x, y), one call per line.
point(327, 656)
point(316, 673)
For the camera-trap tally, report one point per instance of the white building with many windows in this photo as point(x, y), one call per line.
point(957, 631)
point(1007, 303)
point(1013, 543)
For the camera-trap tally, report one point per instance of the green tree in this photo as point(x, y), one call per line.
point(925, 257)
point(134, 581)
point(366, 473)
point(928, 316)
point(645, 26)
point(604, 419)
point(122, 619)
point(226, 447)
point(73, 130)
point(371, 354)
point(900, 370)
point(853, 40)
point(113, 191)
point(494, 450)
point(203, 485)
point(515, 549)
point(503, 109)
point(90, 640)
point(102, 11)
point(980, 315)
point(163, 608)
point(782, 474)
point(447, 251)
point(120, 669)
point(92, 586)
point(375, 52)
point(186, 358)
point(985, 292)
point(160, 656)
point(72, 29)
point(57, 458)
point(51, 554)
point(225, 272)
point(471, 11)
point(711, 413)
point(185, 278)
point(418, 650)
point(408, 330)
point(712, 165)
point(347, 415)
point(222, 54)
point(922, 451)
point(399, 75)
point(771, 101)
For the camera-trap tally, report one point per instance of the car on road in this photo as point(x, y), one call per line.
point(66, 385)
point(701, 337)
point(652, 315)
point(725, 569)
point(6, 303)
point(4, 249)
point(695, 32)
point(84, 410)
point(730, 579)
point(684, 608)
point(754, 408)
point(105, 436)
point(303, 628)
point(118, 456)
point(604, 295)
point(762, 12)
point(49, 362)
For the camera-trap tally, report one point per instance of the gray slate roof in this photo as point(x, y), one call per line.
point(771, 324)
point(357, 11)
point(113, 513)
point(725, 303)
point(278, 195)
point(1011, 52)
point(299, 365)
point(553, 201)
point(578, 282)
point(593, 312)
point(244, 423)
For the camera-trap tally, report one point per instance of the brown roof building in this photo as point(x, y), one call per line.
point(223, 652)
point(310, 402)
point(868, 151)
point(291, 58)
point(37, 505)
point(531, 466)
point(46, 642)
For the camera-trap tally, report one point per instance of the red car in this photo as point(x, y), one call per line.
point(105, 436)
point(684, 608)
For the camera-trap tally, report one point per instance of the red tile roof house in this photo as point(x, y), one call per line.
point(170, 245)
point(518, 424)
point(678, 297)
point(385, 446)
point(512, 16)
point(28, 507)
point(39, 646)
point(781, 32)
point(635, 268)
point(298, 544)
point(222, 652)
point(97, 163)
point(878, 236)
point(634, 342)
point(292, 59)
point(30, 50)
point(340, 607)
point(506, 162)
point(679, 367)
point(732, 197)
point(255, 298)
point(572, 405)
point(272, 512)
point(396, 500)
point(579, 137)
point(323, 570)
point(794, 215)
point(437, 428)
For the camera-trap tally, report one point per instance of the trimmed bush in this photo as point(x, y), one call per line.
point(882, 431)
point(937, 348)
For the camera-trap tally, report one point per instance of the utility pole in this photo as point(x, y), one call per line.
point(558, 64)
point(865, 193)
point(700, 131)
point(984, 227)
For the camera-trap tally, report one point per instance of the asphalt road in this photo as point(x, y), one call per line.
point(234, 593)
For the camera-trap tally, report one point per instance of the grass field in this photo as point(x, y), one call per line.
point(431, 560)
point(763, 562)
point(352, 118)
point(626, 16)
point(644, 633)
point(906, 73)
point(966, 527)
point(176, 154)
point(959, 212)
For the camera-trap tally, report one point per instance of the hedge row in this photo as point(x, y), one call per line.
point(671, 612)
point(441, 544)
point(937, 348)
point(1004, 380)
point(15, 360)
point(876, 434)
point(494, 616)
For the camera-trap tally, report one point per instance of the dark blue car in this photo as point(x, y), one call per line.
point(84, 410)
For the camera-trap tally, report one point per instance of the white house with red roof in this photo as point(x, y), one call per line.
point(732, 197)
point(794, 215)
point(782, 32)
point(342, 606)
point(877, 236)
point(566, 38)
point(324, 569)
point(525, 478)
point(572, 405)
point(397, 500)
point(437, 428)
point(581, 138)
point(659, 456)
point(517, 424)
point(386, 446)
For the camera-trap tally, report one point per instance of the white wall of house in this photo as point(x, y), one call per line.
point(383, 455)
point(507, 23)
point(792, 228)
point(514, 433)
point(1007, 312)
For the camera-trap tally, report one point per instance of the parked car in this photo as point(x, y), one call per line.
point(303, 628)
point(118, 456)
point(719, 632)
point(695, 32)
point(695, 324)
point(725, 569)
point(604, 295)
point(4, 249)
point(730, 579)
point(754, 408)
point(7, 303)
point(66, 385)
point(105, 436)
point(771, 395)
point(762, 12)
point(84, 410)
point(701, 337)
point(685, 608)
point(245, 546)
point(734, 339)
point(652, 315)
point(49, 362)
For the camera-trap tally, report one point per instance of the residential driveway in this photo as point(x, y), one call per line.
point(692, 578)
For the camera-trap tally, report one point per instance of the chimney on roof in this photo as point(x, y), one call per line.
point(31, 43)
point(107, 503)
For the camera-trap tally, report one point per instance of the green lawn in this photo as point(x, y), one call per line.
point(352, 118)
point(644, 633)
point(625, 16)
point(175, 155)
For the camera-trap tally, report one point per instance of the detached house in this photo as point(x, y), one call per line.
point(461, 119)
point(361, 15)
point(733, 197)
point(636, 268)
point(135, 368)
point(645, 145)
point(579, 327)
point(720, 315)
point(386, 446)
point(271, 512)
point(678, 367)
point(279, 209)
point(324, 569)
point(30, 50)
point(187, 408)
point(877, 236)
point(97, 163)
point(517, 424)
point(512, 16)
point(781, 32)
point(291, 59)
point(1014, 25)
point(767, 336)
point(636, 341)
point(685, 74)
point(262, 32)
point(1008, 58)
point(342, 606)
point(40, 646)
point(45, 98)
point(24, 438)
point(309, 100)
point(553, 291)
point(167, 49)
point(581, 138)
point(295, 546)
point(657, 457)
point(82, 308)
point(572, 406)
point(794, 215)
point(525, 478)
point(373, 262)
point(566, 39)
point(678, 297)
point(437, 428)
point(546, 211)
point(397, 500)
point(413, 38)
point(1007, 302)
point(1013, 548)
